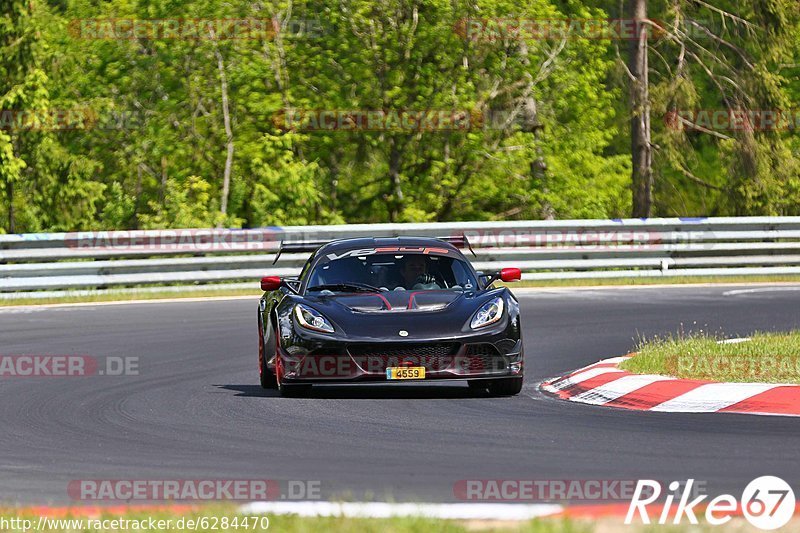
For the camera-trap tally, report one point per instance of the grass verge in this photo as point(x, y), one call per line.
point(767, 357)
point(135, 296)
point(211, 519)
point(226, 519)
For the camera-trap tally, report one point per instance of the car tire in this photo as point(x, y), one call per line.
point(265, 375)
point(505, 386)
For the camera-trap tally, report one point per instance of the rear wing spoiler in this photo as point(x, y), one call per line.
point(459, 241)
point(298, 247)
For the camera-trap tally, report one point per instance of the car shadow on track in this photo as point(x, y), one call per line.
point(367, 392)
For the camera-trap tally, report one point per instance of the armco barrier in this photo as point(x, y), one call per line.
point(558, 249)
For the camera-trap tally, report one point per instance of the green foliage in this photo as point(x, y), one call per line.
point(186, 205)
point(154, 153)
point(734, 60)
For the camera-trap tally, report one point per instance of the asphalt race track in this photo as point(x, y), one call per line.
point(195, 410)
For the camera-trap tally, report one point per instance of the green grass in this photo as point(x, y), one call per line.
point(214, 516)
point(768, 357)
point(124, 297)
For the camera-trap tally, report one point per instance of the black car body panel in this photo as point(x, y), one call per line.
point(376, 330)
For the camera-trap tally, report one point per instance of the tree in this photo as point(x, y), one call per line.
point(641, 144)
point(416, 56)
point(723, 56)
point(22, 92)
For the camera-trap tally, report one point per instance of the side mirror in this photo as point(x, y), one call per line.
point(270, 283)
point(510, 274)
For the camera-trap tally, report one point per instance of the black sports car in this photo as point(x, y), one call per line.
point(386, 310)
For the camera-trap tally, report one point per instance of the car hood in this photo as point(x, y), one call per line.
point(389, 301)
point(422, 314)
point(425, 313)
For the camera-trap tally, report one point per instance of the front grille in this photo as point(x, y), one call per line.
point(482, 349)
point(377, 357)
point(480, 358)
point(404, 350)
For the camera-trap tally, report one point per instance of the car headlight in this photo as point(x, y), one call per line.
point(489, 313)
point(312, 319)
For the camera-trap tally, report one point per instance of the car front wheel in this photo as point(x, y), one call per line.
point(266, 377)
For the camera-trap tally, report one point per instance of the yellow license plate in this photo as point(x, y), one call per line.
point(405, 372)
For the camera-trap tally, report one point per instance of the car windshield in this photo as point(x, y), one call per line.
point(391, 272)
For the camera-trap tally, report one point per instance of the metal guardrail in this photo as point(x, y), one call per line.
point(542, 249)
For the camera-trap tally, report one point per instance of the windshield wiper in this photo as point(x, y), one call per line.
point(350, 286)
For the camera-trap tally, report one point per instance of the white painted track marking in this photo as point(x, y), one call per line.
point(617, 388)
point(712, 397)
point(453, 511)
point(583, 376)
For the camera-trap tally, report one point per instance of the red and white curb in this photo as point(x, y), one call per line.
point(604, 383)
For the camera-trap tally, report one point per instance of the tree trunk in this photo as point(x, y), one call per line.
point(641, 147)
point(396, 203)
point(163, 179)
point(12, 223)
point(334, 183)
point(538, 167)
point(226, 116)
point(137, 204)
